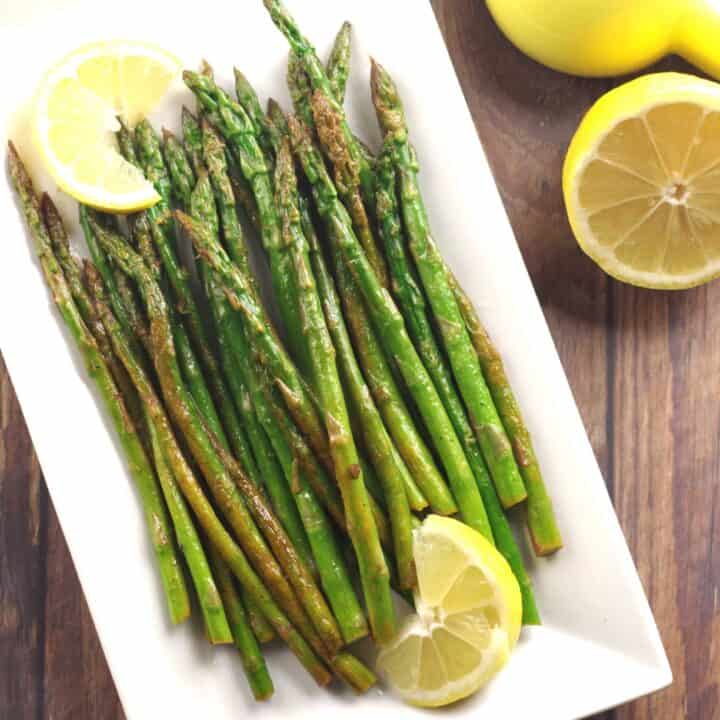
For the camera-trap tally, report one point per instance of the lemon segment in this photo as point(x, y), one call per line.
point(641, 181)
point(76, 114)
point(468, 617)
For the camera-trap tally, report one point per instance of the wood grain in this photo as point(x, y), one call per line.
point(643, 367)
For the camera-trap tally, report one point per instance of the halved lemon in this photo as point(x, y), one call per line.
point(76, 114)
point(642, 181)
point(468, 617)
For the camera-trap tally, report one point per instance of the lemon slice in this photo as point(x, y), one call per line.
point(468, 618)
point(76, 117)
point(642, 181)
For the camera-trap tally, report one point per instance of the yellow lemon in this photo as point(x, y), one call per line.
point(642, 181)
point(76, 113)
point(468, 617)
point(611, 37)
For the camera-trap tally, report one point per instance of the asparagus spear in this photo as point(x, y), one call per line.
point(202, 207)
point(254, 665)
point(247, 97)
point(230, 551)
point(300, 89)
point(150, 154)
point(362, 204)
point(380, 379)
point(338, 64)
point(215, 461)
point(156, 517)
point(301, 92)
point(390, 326)
point(361, 525)
point(216, 623)
point(347, 178)
point(463, 359)
point(393, 473)
point(334, 578)
point(238, 127)
point(223, 474)
point(542, 524)
point(193, 138)
point(412, 305)
point(178, 160)
point(389, 399)
point(373, 571)
point(72, 269)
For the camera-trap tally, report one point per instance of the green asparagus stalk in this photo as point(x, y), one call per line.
point(209, 454)
point(412, 305)
point(156, 517)
point(215, 156)
point(373, 570)
point(319, 479)
point(334, 578)
point(202, 207)
point(109, 277)
point(363, 207)
point(150, 154)
point(247, 97)
point(262, 629)
point(180, 169)
point(347, 178)
point(216, 623)
point(253, 661)
point(300, 89)
point(192, 138)
point(239, 129)
point(361, 525)
point(230, 551)
point(301, 93)
point(542, 524)
point(391, 469)
point(388, 322)
point(126, 142)
point(396, 415)
point(223, 474)
point(72, 269)
point(463, 359)
point(338, 64)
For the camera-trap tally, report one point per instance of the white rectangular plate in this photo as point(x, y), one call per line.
point(599, 645)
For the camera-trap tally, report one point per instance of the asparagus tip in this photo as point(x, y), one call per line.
point(168, 134)
point(206, 68)
point(187, 113)
point(13, 156)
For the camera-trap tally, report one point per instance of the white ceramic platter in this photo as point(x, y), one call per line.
point(599, 645)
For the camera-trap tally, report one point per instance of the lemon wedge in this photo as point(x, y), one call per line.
point(76, 113)
point(642, 181)
point(468, 617)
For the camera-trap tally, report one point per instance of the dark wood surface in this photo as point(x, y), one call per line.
point(643, 366)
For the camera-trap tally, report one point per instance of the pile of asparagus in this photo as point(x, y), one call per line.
point(281, 469)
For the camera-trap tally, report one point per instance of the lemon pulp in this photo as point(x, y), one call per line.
point(76, 114)
point(642, 181)
point(468, 618)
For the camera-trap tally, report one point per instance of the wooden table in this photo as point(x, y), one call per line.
point(643, 366)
